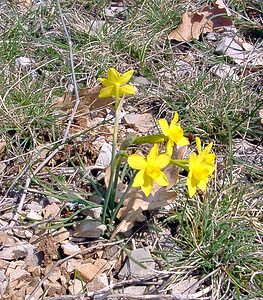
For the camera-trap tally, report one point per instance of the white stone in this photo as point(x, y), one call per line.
point(183, 68)
point(141, 81)
point(132, 268)
point(51, 210)
point(34, 215)
point(70, 248)
point(61, 235)
point(224, 71)
point(89, 228)
point(98, 283)
point(76, 287)
point(13, 252)
point(185, 287)
point(34, 206)
point(229, 47)
point(104, 157)
point(93, 212)
point(72, 264)
point(113, 11)
point(23, 62)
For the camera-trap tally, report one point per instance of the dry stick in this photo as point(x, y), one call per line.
point(65, 136)
point(194, 296)
point(104, 291)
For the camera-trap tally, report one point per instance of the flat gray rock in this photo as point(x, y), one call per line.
point(89, 228)
point(141, 81)
point(134, 265)
point(224, 71)
point(229, 47)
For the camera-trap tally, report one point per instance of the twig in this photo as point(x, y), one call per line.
point(103, 292)
point(66, 133)
point(164, 297)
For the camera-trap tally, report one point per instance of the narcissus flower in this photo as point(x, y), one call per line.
point(149, 169)
point(201, 166)
point(115, 84)
point(174, 132)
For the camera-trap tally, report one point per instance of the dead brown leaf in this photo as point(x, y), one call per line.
point(208, 20)
point(136, 203)
point(143, 122)
point(193, 24)
point(88, 99)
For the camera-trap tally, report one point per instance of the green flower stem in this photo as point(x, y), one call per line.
point(117, 97)
point(113, 157)
point(181, 163)
point(115, 182)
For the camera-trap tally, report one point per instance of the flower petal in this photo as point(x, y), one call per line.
point(201, 172)
point(202, 184)
point(176, 133)
point(113, 75)
point(161, 179)
point(127, 89)
point(169, 147)
point(162, 161)
point(210, 158)
point(107, 92)
point(139, 179)
point(175, 119)
point(153, 154)
point(152, 171)
point(126, 76)
point(164, 126)
point(198, 145)
point(137, 162)
point(183, 141)
point(191, 184)
point(148, 185)
point(105, 81)
point(208, 148)
point(193, 161)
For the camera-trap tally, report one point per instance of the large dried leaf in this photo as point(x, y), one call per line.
point(88, 99)
point(136, 203)
point(193, 24)
point(208, 20)
point(143, 122)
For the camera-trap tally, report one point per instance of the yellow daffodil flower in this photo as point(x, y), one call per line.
point(115, 84)
point(201, 166)
point(174, 133)
point(149, 169)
